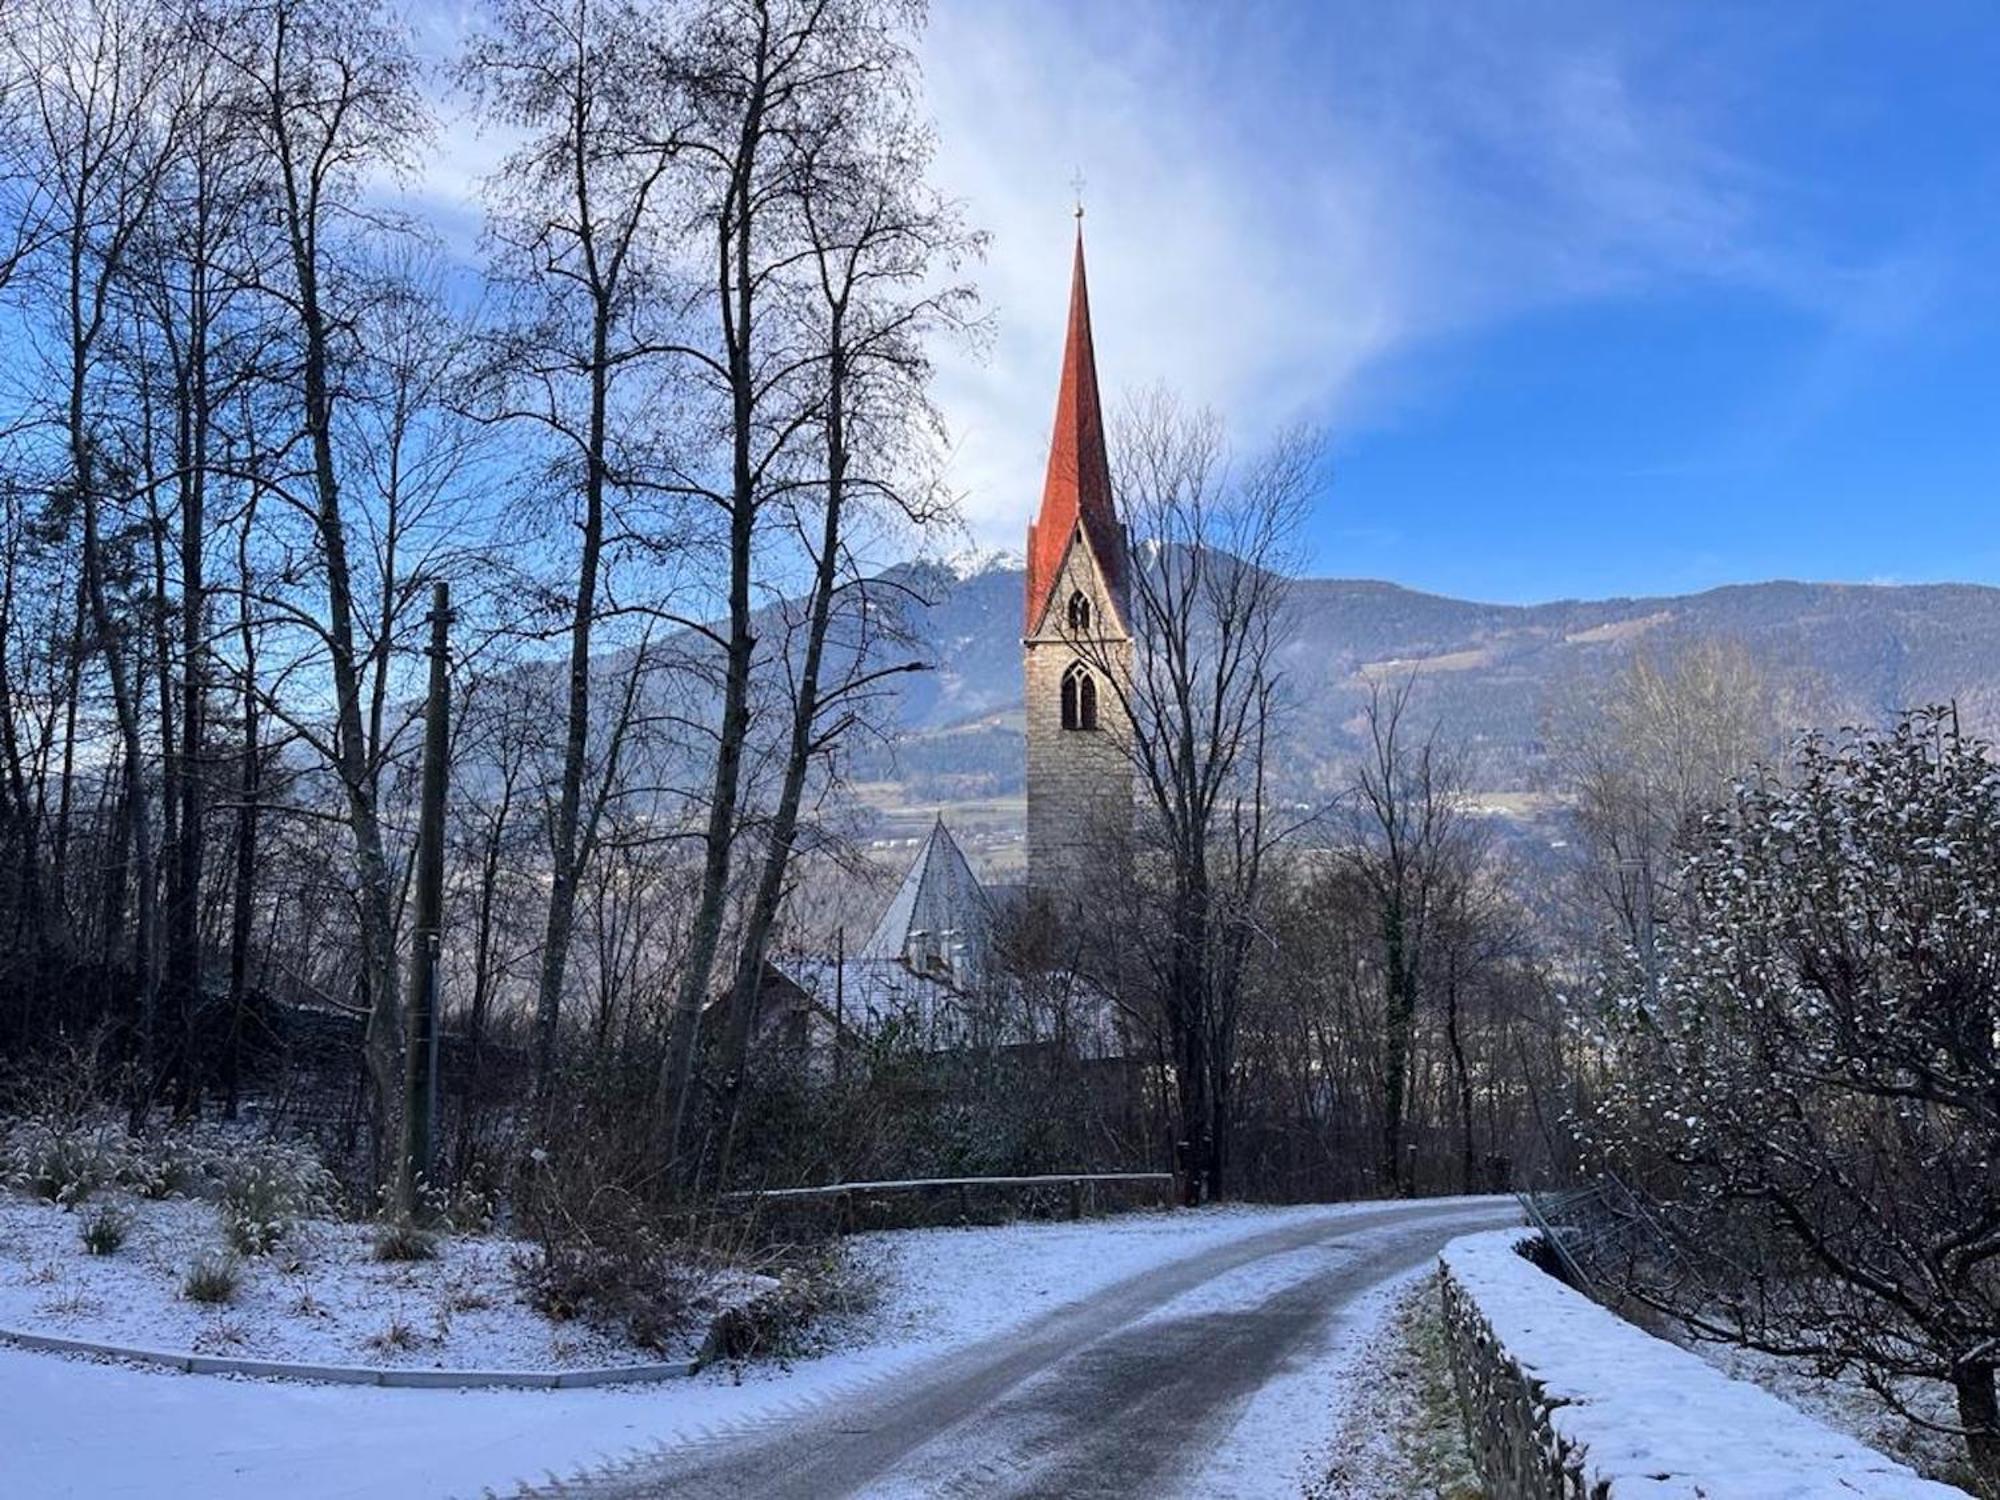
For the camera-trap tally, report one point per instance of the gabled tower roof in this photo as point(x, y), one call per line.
point(939, 914)
point(1078, 487)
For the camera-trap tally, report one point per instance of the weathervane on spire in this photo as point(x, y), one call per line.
point(1077, 184)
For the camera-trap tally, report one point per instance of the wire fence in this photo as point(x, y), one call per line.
point(1609, 1242)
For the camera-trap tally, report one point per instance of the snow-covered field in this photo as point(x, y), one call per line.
point(321, 1297)
point(1847, 1405)
point(80, 1428)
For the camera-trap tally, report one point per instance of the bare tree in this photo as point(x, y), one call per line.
point(766, 80)
point(1213, 549)
point(193, 274)
point(579, 223)
point(104, 140)
point(23, 192)
point(330, 95)
point(1641, 755)
point(874, 239)
point(1407, 847)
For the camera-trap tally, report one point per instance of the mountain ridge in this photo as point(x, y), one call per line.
point(1484, 672)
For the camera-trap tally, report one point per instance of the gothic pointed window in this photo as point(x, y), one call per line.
point(1079, 612)
point(1079, 699)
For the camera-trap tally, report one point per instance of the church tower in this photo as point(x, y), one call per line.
point(1077, 649)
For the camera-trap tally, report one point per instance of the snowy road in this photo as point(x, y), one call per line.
point(1143, 1389)
point(1145, 1354)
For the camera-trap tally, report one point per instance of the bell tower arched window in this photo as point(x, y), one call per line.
point(1079, 698)
point(1079, 612)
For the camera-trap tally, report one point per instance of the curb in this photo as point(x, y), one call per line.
point(406, 1379)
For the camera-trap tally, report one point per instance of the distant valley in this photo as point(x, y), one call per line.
point(1484, 673)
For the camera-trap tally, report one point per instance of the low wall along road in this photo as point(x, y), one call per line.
point(1564, 1400)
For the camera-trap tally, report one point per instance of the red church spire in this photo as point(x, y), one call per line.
point(1078, 486)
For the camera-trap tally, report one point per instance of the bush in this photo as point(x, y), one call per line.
point(600, 1255)
point(397, 1333)
point(175, 1166)
point(636, 1286)
point(214, 1278)
point(105, 1230)
point(791, 1315)
point(63, 1163)
point(463, 1209)
point(266, 1189)
point(401, 1240)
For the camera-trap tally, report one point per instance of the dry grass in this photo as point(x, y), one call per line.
point(1402, 1437)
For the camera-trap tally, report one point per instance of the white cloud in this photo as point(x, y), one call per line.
point(1281, 204)
point(1278, 206)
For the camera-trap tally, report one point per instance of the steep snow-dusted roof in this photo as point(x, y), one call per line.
point(1076, 494)
point(939, 916)
point(928, 1012)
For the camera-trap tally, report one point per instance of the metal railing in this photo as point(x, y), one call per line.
point(1610, 1244)
point(844, 1194)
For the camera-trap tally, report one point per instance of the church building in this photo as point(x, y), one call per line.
point(1077, 646)
point(924, 968)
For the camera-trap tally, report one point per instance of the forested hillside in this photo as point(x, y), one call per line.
point(1489, 675)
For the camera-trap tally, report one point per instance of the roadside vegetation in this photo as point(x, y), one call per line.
point(649, 464)
point(1402, 1434)
point(214, 1238)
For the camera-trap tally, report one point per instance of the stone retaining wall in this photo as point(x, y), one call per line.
point(1565, 1401)
point(1519, 1454)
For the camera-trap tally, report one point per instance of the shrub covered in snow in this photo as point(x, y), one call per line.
point(635, 1285)
point(788, 1315)
point(401, 1240)
point(177, 1165)
point(264, 1191)
point(1807, 1084)
point(63, 1161)
point(214, 1277)
point(260, 1187)
point(105, 1230)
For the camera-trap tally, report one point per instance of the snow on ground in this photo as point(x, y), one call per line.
point(1400, 1431)
point(1847, 1405)
point(1281, 1440)
point(320, 1297)
point(1651, 1415)
point(77, 1428)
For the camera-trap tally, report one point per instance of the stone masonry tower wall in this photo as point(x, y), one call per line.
point(1077, 645)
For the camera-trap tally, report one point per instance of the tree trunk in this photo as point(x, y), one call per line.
point(744, 989)
point(66, 794)
point(565, 871)
point(1461, 1078)
point(136, 825)
point(378, 927)
point(31, 926)
point(719, 838)
point(1402, 1007)
point(184, 901)
point(1979, 1414)
point(244, 893)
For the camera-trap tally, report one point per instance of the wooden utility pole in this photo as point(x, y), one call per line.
point(420, 1052)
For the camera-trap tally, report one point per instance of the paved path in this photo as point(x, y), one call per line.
point(1122, 1395)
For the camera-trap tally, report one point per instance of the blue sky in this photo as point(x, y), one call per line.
point(1589, 298)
